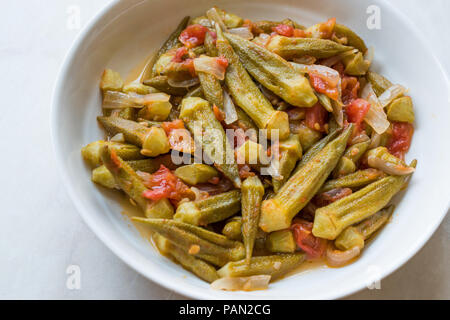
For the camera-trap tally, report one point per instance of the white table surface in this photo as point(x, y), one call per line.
point(41, 231)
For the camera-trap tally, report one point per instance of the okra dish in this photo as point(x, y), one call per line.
point(253, 147)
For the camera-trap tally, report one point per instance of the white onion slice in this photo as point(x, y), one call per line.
point(242, 283)
point(214, 17)
point(243, 32)
point(118, 138)
point(184, 83)
point(118, 100)
point(229, 108)
point(389, 167)
point(262, 40)
point(308, 60)
point(149, 98)
point(370, 55)
point(337, 258)
point(210, 65)
point(391, 94)
point(375, 117)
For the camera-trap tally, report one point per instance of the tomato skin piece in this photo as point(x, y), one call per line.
point(173, 125)
point(400, 142)
point(316, 117)
point(313, 246)
point(350, 87)
point(193, 35)
point(326, 198)
point(284, 30)
point(321, 85)
point(356, 111)
point(299, 33)
point(326, 29)
point(163, 184)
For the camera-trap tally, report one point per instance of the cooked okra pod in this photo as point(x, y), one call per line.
point(200, 268)
point(355, 236)
point(233, 229)
point(196, 241)
point(210, 210)
point(353, 39)
point(201, 121)
point(273, 72)
point(355, 180)
point(127, 179)
point(91, 152)
point(349, 160)
point(401, 109)
point(329, 221)
point(380, 158)
point(277, 213)
point(290, 153)
point(246, 93)
point(379, 83)
point(161, 83)
point(290, 48)
point(252, 195)
point(196, 173)
point(281, 241)
point(275, 266)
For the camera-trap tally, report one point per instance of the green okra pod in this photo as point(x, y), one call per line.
point(355, 64)
point(171, 42)
point(153, 140)
point(315, 149)
point(353, 39)
point(111, 81)
point(196, 241)
point(127, 179)
point(252, 195)
point(161, 83)
point(247, 95)
point(91, 152)
point(212, 209)
point(290, 153)
point(275, 266)
point(200, 268)
point(355, 236)
point(308, 137)
point(354, 181)
point(233, 229)
point(207, 130)
point(273, 72)
point(290, 48)
point(329, 221)
point(349, 161)
point(379, 83)
point(277, 213)
point(401, 110)
point(212, 89)
point(196, 173)
point(281, 241)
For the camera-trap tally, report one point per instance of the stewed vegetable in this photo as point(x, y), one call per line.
point(253, 146)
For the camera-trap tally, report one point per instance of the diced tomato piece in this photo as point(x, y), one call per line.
point(245, 171)
point(222, 61)
point(115, 159)
point(284, 30)
point(316, 117)
point(322, 85)
point(180, 55)
point(193, 35)
point(400, 142)
point(339, 67)
point(326, 198)
point(170, 126)
point(163, 184)
point(299, 33)
point(313, 246)
point(219, 114)
point(326, 29)
point(179, 138)
point(350, 87)
point(356, 111)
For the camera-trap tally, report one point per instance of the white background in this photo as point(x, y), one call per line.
point(41, 233)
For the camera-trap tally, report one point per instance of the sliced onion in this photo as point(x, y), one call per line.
point(389, 167)
point(242, 283)
point(210, 65)
point(118, 100)
point(375, 117)
point(229, 108)
point(262, 40)
point(183, 83)
point(337, 258)
point(118, 138)
point(391, 94)
point(362, 137)
point(199, 195)
point(308, 60)
point(370, 55)
point(149, 98)
point(214, 16)
point(243, 32)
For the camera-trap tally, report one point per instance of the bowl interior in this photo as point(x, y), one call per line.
point(127, 31)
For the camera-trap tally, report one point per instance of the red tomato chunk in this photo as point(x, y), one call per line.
point(400, 142)
point(356, 111)
point(313, 246)
point(163, 184)
point(316, 117)
point(193, 35)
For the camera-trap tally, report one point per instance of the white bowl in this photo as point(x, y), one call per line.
point(126, 31)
